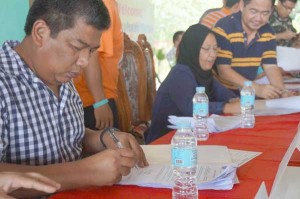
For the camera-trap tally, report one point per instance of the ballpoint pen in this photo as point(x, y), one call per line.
point(117, 141)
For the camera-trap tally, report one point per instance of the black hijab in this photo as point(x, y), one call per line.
point(188, 54)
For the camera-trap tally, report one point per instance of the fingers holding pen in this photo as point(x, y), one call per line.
point(127, 161)
point(141, 157)
point(129, 142)
point(107, 167)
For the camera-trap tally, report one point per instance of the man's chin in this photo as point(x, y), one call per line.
point(256, 27)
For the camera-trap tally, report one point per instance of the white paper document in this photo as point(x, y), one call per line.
point(262, 80)
point(208, 154)
point(160, 176)
point(215, 123)
point(240, 157)
point(284, 162)
point(284, 103)
point(215, 170)
point(288, 58)
point(292, 87)
point(282, 106)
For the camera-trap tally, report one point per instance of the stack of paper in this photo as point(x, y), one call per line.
point(280, 106)
point(215, 123)
point(291, 80)
point(284, 103)
point(215, 168)
point(214, 177)
point(288, 58)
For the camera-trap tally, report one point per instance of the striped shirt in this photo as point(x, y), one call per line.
point(212, 18)
point(242, 57)
point(36, 127)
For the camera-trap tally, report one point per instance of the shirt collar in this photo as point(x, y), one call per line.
point(18, 66)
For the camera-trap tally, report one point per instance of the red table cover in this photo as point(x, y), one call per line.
point(271, 135)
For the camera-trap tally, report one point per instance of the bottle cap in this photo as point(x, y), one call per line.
point(200, 89)
point(247, 83)
point(183, 125)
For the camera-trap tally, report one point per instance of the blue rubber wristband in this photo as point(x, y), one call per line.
point(100, 103)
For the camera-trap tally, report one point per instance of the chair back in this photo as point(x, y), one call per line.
point(132, 86)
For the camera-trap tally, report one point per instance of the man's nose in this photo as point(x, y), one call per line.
point(83, 59)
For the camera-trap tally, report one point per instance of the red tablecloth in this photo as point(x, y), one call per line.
point(272, 136)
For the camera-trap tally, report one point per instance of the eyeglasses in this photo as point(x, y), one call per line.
point(289, 9)
point(211, 49)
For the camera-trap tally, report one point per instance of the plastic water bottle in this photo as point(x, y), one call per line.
point(247, 105)
point(200, 114)
point(184, 161)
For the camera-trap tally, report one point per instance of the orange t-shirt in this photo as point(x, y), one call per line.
point(110, 53)
point(212, 18)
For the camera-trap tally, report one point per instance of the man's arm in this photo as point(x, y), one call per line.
point(274, 75)
point(105, 168)
point(226, 72)
point(265, 91)
point(286, 35)
point(92, 73)
point(92, 144)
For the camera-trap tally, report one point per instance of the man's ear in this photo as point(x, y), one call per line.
point(242, 5)
point(40, 32)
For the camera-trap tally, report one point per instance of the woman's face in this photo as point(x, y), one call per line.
point(208, 52)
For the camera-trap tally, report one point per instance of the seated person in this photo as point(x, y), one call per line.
point(282, 23)
point(196, 56)
point(41, 114)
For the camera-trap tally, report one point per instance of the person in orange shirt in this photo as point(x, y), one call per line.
point(211, 18)
point(97, 86)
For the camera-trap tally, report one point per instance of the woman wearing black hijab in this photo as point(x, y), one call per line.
point(196, 55)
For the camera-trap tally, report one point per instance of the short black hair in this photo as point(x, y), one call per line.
point(62, 14)
point(231, 3)
point(176, 35)
point(282, 1)
point(248, 1)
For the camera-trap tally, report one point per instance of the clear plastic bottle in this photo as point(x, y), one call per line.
point(184, 161)
point(200, 114)
point(247, 105)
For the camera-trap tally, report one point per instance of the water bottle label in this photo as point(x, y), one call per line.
point(247, 100)
point(200, 109)
point(184, 157)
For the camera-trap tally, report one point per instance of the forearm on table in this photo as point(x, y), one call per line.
point(274, 75)
point(69, 175)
